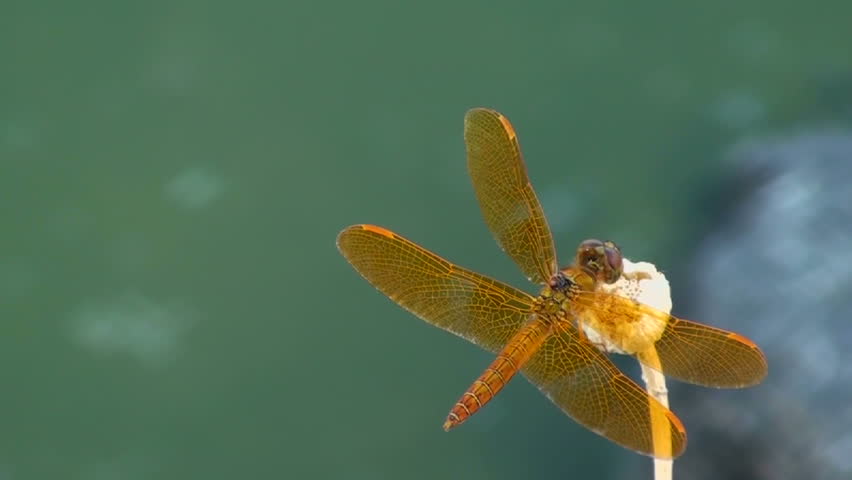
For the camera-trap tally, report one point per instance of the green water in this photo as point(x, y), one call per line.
point(173, 175)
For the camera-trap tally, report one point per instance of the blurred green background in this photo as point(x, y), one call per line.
point(174, 175)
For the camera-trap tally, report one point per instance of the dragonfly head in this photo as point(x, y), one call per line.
point(601, 260)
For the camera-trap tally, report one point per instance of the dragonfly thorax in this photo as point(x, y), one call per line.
point(559, 282)
point(557, 293)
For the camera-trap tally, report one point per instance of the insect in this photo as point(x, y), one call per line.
point(543, 336)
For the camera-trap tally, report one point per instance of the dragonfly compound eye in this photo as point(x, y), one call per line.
point(614, 260)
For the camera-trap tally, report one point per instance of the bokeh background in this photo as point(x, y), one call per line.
point(173, 176)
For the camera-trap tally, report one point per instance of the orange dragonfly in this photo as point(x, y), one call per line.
point(543, 336)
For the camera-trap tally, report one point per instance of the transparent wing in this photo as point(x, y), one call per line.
point(506, 197)
point(586, 385)
point(483, 310)
point(708, 356)
point(687, 351)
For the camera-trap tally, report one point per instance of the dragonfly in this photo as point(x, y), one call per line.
point(543, 337)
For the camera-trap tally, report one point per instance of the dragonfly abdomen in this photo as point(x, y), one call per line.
point(513, 356)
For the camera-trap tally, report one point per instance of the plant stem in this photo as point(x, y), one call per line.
point(655, 384)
